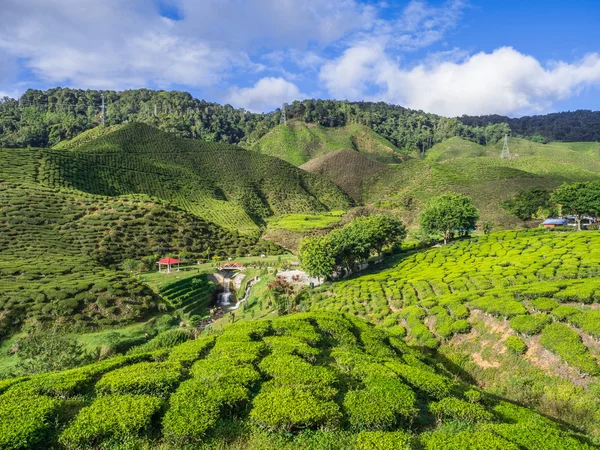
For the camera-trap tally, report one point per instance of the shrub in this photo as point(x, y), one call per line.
point(211, 372)
point(431, 383)
point(566, 343)
point(564, 311)
point(291, 345)
point(530, 436)
point(143, 378)
point(25, 419)
point(543, 304)
point(290, 370)
point(381, 440)
point(588, 321)
point(287, 409)
point(242, 352)
point(461, 326)
point(460, 410)
point(190, 351)
point(112, 418)
point(471, 440)
point(192, 412)
point(379, 405)
point(504, 306)
point(166, 339)
point(515, 345)
point(529, 324)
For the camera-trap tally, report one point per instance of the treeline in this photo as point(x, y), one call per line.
point(573, 126)
point(44, 118)
point(345, 248)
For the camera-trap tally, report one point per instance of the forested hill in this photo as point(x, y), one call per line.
point(572, 126)
point(45, 118)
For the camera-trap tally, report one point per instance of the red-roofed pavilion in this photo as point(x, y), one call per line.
point(168, 262)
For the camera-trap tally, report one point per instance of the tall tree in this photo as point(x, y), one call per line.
point(578, 199)
point(316, 256)
point(449, 213)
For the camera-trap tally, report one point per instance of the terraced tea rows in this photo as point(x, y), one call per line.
point(232, 187)
point(296, 382)
point(519, 275)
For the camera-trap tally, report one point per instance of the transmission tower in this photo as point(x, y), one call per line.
point(103, 108)
point(283, 118)
point(505, 152)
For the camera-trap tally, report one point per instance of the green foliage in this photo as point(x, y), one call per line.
point(191, 413)
point(515, 345)
point(287, 409)
point(543, 304)
point(26, 420)
point(460, 410)
point(566, 343)
point(190, 351)
point(143, 378)
point(529, 324)
point(526, 204)
point(113, 418)
point(579, 199)
point(317, 256)
point(381, 440)
point(431, 383)
point(379, 405)
point(166, 339)
point(47, 351)
point(449, 213)
point(475, 440)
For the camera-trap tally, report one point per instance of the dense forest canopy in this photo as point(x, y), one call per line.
point(44, 118)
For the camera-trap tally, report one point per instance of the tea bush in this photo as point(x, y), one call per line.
point(381, 440)
point(529, 324)
point(454, 408)
point(566, 343)
point(111, 419)
point(515, 345)
point(143, 378)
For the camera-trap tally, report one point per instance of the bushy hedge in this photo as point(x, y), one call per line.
point(529, 324)
point(505, 306)
point(288, 409)
point(467, 440)
point(515, 345)
point(290, 370)
point(211, 372)
point(112, 418)
point(543, 304)
point(26, 420)
point(381, 440)
point(457, 409)
point(143, 378)
point(379, 405)
point(291, 345)
point(431, 383)
point(191, 351)
point(566, 343)
point(191, 413)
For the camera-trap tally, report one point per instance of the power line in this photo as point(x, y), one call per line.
point(505, 152)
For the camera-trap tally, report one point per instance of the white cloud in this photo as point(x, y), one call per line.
point(502, 82)
point(268, 93)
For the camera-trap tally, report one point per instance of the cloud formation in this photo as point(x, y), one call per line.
point(267, 94)
point(502, 82)
point(259, 53)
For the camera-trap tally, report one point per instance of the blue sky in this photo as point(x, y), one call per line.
point(450, 57)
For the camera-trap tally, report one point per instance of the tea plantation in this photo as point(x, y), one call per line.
point(60, 249)
point(305, 381)
point(529, 277)
point(227, 185)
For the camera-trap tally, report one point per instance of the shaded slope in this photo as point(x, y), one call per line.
point(224, 184)
point(58, 249)
point(461, 166)
point(346, 168)
point(299, 142)
point(306, 381)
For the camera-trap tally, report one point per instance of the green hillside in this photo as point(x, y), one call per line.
point(59, 249)
point(464, 167)
point(226, 185)
point(299, 142)
point(308, 381)
point(483, 302)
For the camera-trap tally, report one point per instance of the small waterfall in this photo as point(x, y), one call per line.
point(223, 298)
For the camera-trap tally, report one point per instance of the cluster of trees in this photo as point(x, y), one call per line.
point(348, 246)
point(577, 199)
point(44, 118)
point(581, 125)
point(448, 215)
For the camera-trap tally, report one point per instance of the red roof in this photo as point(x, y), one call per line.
point(169, 261)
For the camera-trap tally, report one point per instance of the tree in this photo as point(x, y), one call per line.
point(448, 213)
point(526, 204)
point(48, 351)
point(578, 199)
point(131, 265)
point(317, 257)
